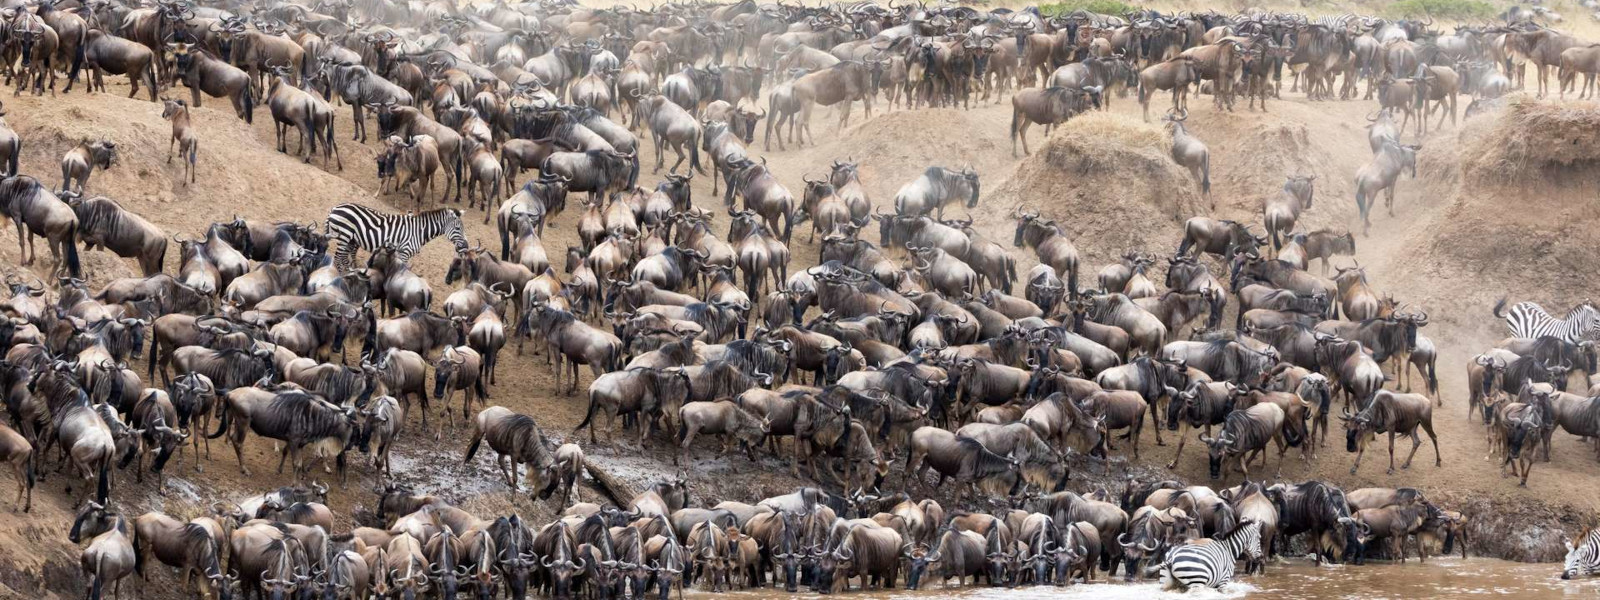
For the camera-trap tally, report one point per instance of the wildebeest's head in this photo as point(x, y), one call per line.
point(1218, 449)
point(921, 558)
point(92, 520)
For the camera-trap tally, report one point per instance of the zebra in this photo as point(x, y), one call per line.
point(1210, 563)
point(359, 227)
point(1529, 320)
point(1583, 559)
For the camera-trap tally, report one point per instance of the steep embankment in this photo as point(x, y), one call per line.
point(1499, 209)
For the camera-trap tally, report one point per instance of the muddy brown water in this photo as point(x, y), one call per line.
point(1438, 579)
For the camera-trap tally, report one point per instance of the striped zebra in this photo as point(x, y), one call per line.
point(358, 227)
point(1529, 320)
point(1583, 559)
point(1210, 562)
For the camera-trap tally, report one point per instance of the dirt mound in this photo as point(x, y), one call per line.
point(1539, 143)
point(895, 147)
point(1253, 152)
point(1097, 174)
point(1522, 181)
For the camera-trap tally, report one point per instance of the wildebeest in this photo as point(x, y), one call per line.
point(1398, 414)
point(458, 368)
point(1048, 107)
point(1051, 243)
point(962, 458)
point(516, 441)
point(300, 420)
point(183, 135)
point(110, 556)
point(103, 222)
point(1191, 153)
point(308, 113)
point(569, 339)
point(37, 212)
point(937, 187)
point(1245, 435)
point(104, 52)
point(1380, 176)
point(81, 161)
point(18, 452)
point(1282, 211)
point(1173, 74)
point(203, 72)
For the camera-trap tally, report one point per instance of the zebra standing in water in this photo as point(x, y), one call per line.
point(1529, 320)
point(1210, 562)
point(1583, 559)
point(359, 227)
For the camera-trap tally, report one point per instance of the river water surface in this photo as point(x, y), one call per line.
point(1439, 578)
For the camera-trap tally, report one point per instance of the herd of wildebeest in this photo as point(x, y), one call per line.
point(881, 362)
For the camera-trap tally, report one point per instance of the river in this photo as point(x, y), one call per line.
point(1443, 578)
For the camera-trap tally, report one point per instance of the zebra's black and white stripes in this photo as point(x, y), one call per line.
point(1583, 559)
point(358, 227)
point(1529, 320)
point(1210, 563)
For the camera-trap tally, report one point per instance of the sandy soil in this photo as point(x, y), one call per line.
point(1460, 239)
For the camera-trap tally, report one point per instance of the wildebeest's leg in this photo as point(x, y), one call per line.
point(1183, 434)
point(659, 159)
point(240, 425)
point(1361, 449)
point(805, 124)
point(22, 240)
point(677, 149)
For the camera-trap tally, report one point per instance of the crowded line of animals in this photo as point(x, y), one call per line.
point(885, 360)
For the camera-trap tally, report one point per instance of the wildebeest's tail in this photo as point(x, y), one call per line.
point(1205, 173)
point(331, 147)
point(222, 422)
point(77, 58)
point(1361, 201)
point(73, 265)
point(505, 239)
point(16, 155)
point(588, 417)
point(788, 225)
point(249, 103)
point(102, 486)
point(155, 345)
point(97, 589)
point(1016, 114)
point(460, 150)
point(150, 80)
point(1291, 436)
point(694, 156)
point(1011, 274)
point(472, 448)
point(1433, 379)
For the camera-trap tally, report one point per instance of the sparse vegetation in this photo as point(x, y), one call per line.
point(1442, 9)
point(1104, 7)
